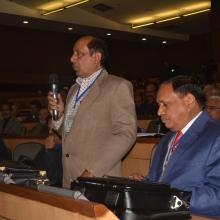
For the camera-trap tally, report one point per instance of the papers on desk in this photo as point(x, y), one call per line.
point(149, 134)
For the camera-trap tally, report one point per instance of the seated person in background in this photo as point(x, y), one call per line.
point(213, 107)
point(210, 90)
point(63, 92)
point(138, 101)
point(41, 128)
point(9, 125)
point(5, 154)
point(51, 159)
point(149, 107)
point(157, 126)
point(190, 162)
point(35, 107)
point(16, 112)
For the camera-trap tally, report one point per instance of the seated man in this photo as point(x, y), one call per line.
point(5, 153)
point(190, 162)
point(41, 128)
point(9, 125)
point(213, 107)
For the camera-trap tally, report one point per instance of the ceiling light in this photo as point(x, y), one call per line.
point(197, 6)
point(77, 3)
point(54, 11)
point(25, 22)
point(144, 39)
point(197, 12)
point(108, 34)
point(70, 28)
point(164, 42)
point(141, 25)
point(53, 7)
point(168, 15)
point(168, 19)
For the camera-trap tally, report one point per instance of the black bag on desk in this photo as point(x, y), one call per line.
point(15, 173)
point(135, 200)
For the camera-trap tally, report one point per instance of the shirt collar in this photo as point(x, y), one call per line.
point(190, 123)
point(80, 80)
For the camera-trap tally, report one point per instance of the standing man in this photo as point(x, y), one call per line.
point(188, 157)
point(98, 124)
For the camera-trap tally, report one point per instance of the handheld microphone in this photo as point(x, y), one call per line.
point(53, 82)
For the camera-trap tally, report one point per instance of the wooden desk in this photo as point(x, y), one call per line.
point(138, 158)
point(22, 203)
point(203, 218)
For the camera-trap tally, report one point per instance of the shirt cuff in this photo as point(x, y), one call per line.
point(57, 124)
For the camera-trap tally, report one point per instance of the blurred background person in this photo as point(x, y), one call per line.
point(5, 154)
point(9, 125)
point(210, 90)
point(149, 108)
point(35, 107)
point(63, 92)
point(213, 107)
point(41, 128)
point(51, 159)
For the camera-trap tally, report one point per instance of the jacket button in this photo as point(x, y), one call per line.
point(67, 155)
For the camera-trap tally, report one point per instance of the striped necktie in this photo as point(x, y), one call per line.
point(176, 141)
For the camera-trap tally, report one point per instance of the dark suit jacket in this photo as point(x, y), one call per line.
point(5, 154)
point(194, 166)
point(13, 127)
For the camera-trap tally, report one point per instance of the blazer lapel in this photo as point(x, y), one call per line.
point(90, 97)
point(186, 141)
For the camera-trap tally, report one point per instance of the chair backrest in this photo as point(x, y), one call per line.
point(28, 149)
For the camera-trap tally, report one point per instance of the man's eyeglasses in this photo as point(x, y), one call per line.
point(212, 108)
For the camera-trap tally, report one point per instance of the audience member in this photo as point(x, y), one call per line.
point(188, 157)
point(16, 112)
point(149, 107)
point(9, 125)
point(53, 158)
point(63, 93)
point(138, 101)
point(210, 90)
point(41, 128)
point(99, 118)
point(157, 126)
point(34, 111)
point(5, 154)
point(213, 107)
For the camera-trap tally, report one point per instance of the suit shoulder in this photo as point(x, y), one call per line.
point(213, 126)
point(116, 79)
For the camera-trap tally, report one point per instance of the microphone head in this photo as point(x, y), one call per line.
point(53, 79)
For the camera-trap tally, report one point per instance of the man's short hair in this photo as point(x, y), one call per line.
point(99, 45)
point(186, 84)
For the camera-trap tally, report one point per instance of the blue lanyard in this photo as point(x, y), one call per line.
point(79, 97)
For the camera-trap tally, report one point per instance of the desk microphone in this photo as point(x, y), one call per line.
point(53, 82)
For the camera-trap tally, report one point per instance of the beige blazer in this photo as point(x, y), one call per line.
point(103, 129)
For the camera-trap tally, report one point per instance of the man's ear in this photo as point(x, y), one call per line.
point(98, 57)
point(189, 100)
